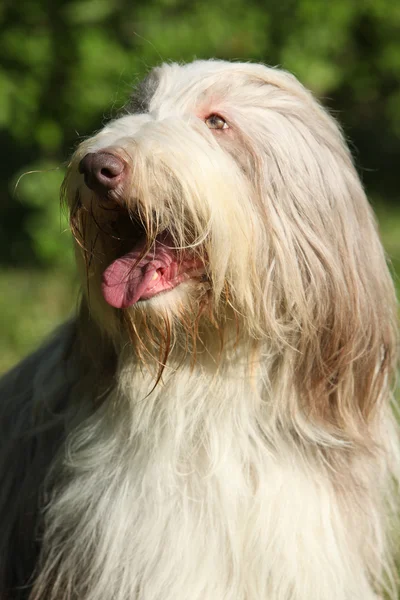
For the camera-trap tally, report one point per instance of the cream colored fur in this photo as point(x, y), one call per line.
point(245, 448)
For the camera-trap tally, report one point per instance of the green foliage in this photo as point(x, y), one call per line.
point(45, 223)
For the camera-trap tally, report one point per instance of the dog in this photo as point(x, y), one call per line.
point(217, 422)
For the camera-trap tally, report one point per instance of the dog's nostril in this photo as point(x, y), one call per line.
point(107, 173)
point(102, 171)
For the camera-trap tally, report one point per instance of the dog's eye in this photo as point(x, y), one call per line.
point(216, 122)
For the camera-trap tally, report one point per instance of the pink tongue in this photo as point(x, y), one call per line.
point(126, 280)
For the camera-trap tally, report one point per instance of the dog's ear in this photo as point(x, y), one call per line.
point(328, 296)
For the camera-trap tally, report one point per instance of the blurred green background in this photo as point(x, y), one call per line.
point(67, 66)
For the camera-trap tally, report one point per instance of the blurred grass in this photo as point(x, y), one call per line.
point(33, 302)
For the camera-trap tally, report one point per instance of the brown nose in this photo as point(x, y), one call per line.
point(103, 171)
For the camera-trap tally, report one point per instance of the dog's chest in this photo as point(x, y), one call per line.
point(178, 495)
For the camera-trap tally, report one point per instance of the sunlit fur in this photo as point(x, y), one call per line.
point(243, 446)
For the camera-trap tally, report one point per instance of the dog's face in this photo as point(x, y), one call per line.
point(165, 201)
point(176, 199)
point(227, 192)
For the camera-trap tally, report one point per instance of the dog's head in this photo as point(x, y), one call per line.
point(226, 194)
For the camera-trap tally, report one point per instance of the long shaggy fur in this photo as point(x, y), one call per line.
point(232, 439)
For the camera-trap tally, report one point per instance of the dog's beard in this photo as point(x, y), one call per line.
point(161, 261)
point(156, 283)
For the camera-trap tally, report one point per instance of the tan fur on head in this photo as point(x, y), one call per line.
point(269, 373)
point(275, 209)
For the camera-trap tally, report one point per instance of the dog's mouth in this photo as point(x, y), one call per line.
point(145, 272)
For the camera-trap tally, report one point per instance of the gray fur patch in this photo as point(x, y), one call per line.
point(141, 97)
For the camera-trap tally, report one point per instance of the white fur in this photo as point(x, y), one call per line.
point(225, 481)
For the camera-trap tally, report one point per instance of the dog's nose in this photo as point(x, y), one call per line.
point(103, 171)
